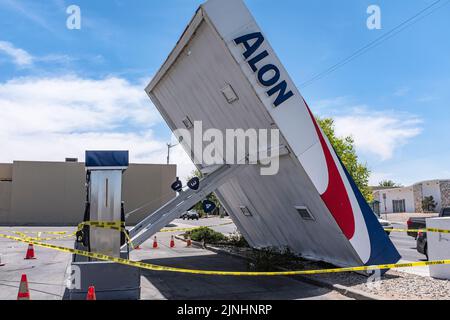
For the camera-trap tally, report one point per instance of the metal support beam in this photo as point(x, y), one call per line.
point(185, 200)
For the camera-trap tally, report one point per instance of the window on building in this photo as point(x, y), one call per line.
point(399, 206)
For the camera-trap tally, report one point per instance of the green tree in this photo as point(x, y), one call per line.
point(211, 197)
point(389, 184)
point(345, 149)
point(428, 204)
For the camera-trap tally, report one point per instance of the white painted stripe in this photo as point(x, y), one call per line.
point(360, 240)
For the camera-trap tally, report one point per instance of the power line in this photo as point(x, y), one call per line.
point(386, 36)
point(374, 43)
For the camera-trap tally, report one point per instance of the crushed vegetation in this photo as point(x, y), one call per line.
point(270, 259)
point(209, 236)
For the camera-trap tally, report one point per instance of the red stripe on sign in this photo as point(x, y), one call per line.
point(336, 196)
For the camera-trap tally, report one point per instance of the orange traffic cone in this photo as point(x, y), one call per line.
point(24, 293)
point(91, 293)
point(172, 242)
point(188, 241)
point(30, 252)
point(155, 243)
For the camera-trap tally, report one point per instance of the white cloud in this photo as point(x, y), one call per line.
point(56, 58)
point(377, 177)
point(378, 133)
point(185, 167)
point(48, 119)
point(70, 104)
point(20, 57)
point(401, 92)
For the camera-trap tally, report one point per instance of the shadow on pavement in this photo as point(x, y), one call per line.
point(178, 286)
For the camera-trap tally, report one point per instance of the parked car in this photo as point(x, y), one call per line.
point(421, 237)
point(420, 223)
point(190, 215)
point(387, 226)
point(422, 245)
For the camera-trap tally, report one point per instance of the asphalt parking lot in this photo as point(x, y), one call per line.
point(406, 245)
point(46, 275)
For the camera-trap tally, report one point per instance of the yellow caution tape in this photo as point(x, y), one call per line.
point(179, 229)
point(193, 228)
point(154, 267)
point(115, 225)
point(436, 230)
point(120, 226)
point(46, 232)
point(418, 230)
point(39, 238)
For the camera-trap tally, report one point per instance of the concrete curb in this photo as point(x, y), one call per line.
point(346, 291)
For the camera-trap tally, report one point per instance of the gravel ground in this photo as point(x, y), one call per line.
point(394, 285)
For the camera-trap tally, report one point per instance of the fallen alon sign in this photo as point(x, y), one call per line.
point(268, 74)
point(224, 74)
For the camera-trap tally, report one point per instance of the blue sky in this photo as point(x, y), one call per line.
point(63, 91)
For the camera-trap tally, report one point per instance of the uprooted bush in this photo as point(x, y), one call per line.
point(237, 240)
point(268, 259)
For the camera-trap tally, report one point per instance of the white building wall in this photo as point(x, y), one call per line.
point(386, 206)
point(432, 188)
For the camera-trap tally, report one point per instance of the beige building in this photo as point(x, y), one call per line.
point(53, 193)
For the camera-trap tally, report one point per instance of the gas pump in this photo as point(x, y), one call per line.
point(104, 170)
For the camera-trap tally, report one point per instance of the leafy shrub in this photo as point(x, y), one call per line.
point(268, 259)
point(206, 234)
point(428, 204)
point(213, 237)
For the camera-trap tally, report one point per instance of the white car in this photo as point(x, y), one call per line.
point(387, 226)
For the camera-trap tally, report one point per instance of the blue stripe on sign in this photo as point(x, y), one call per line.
point(383, 250)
